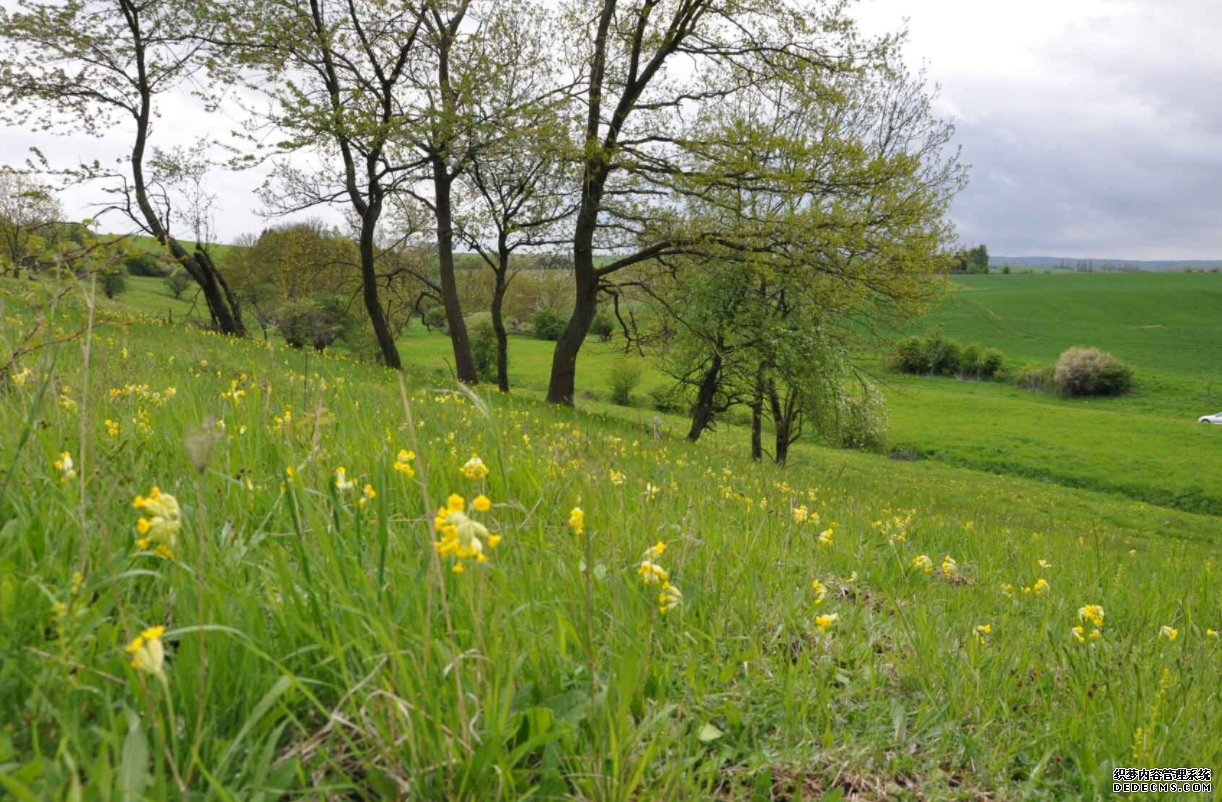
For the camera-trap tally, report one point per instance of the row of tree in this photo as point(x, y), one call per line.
point(759, 155)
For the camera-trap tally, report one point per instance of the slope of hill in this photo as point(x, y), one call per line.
point(852, 627)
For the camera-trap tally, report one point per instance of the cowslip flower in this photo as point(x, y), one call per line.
point(651, 573)
point(982, 633)
point(148, 655)
point(800, 514)
point(824, 622)
point(474, 468)
point(1041, 587)
point(669, 598)
point(1079, 635)
point(367, 495)
point(1211, 633)
point(19, 379)
point(923, 562)
point(403, 463)
point(66, 468)
point(577, 521)
point(482, 503)
point(655, 551)
point(1092, 613)
point(112, 427)
point(820, 592)
point(949, 566)
point(1170, 633)
point(342, 482)
point(160, 522)
point(825, 537)
point(1043, 564)
point(616, 477)
point(461, 537)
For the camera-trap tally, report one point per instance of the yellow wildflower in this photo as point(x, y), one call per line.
point(982, 633)
point(651, 573)
point(160, 521)
point(824, 622)
point(820, 592)
point(577, 521)
point(949, 566)
point(1211, 633)
point(148, 655)
point(482, 503)
point(825, 537)
point(461, 537)
point(66, 468)
point(800, 514)
point(474, 468)
point(112, 428)
point(1043, 564)
point(342, 482)
point(367, 495)
point(617, 477)
point(1092, 613)
point(669, 598)
point(1170, 633)
point(1041, 587)
point(404, 463)
point(923, 562)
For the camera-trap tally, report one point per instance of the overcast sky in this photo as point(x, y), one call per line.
point(1093, 126)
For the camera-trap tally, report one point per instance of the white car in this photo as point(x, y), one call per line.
point(1211, 419)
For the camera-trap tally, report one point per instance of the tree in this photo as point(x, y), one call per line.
point(88, 63)
point(114, 282)
point(639, 153)
point(836, 233)
point(177, 283)
point(334, 74)
point(29, 213)
point(978, 259)
point(519, 183)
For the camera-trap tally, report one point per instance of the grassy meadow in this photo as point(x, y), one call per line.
point(853, 627)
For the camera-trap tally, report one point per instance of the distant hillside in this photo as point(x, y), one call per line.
point(1103, 264)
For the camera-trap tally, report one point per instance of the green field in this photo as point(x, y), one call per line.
point(314, 645)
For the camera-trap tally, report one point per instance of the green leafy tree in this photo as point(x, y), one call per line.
point(91, 64)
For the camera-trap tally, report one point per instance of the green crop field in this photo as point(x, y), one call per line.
point(852, 627)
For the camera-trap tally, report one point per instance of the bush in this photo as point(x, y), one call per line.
point(1036, 379)
point(145, 264)
point(483, 350)
point(908, 356)
point(861, 420)
point(602, 327)
point(318, 323)
point(549, 325)
point(114, 282)
point(622, 380)
point(177, 283)
point(434, 319)
point(969, 361)
point(991, 363)
point(1082, 372)
point(667, 398)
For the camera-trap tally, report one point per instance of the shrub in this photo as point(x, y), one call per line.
point(434, 319)
point(602, 327)
point(1035, 378)
point(317, 323)
point(114, 282)
point(969, 361)
point(1082, 372)
point(942, 355)
point(177, 283)
point(145, 264)
point(861, 420)
point(667, 398)
point(992, 361)
point(483, 350)
point(908, 356)
point(623, 379)
point(549, 325)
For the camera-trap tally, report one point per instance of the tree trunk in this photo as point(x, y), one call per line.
point(757, 417)
point(702, 412)
point(369, 284)
point(560, 388)
point(498, 325)
point(782, 420)
point(464, 362)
